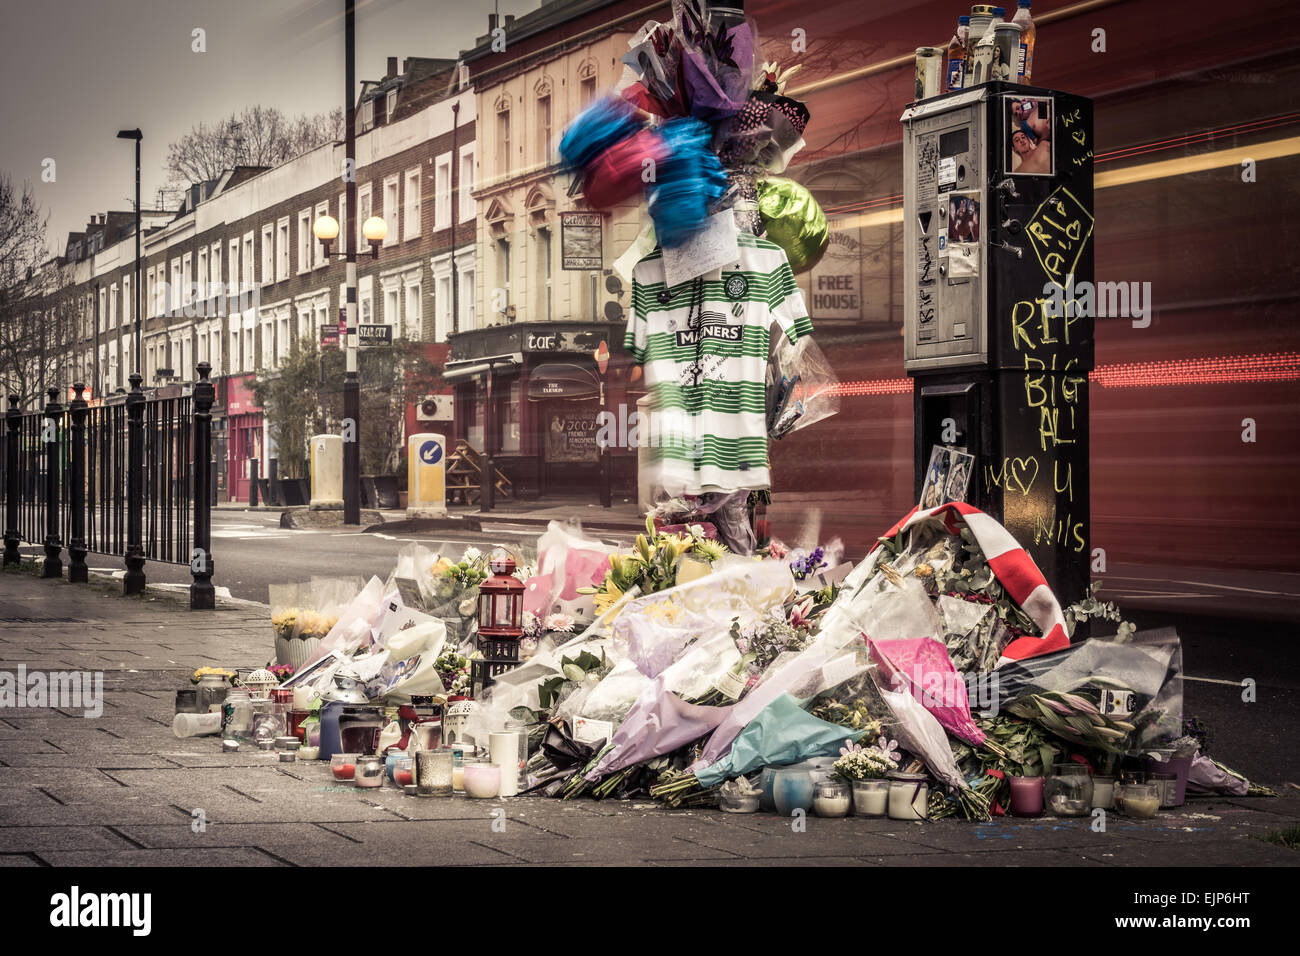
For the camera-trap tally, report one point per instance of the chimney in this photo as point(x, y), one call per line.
point(510, 18)
point(492, 22)
point(392, 66)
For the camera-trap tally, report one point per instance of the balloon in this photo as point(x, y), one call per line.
point(793, 220)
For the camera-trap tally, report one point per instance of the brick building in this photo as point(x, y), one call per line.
point(235, 276)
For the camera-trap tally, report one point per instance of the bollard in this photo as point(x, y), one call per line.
point(78, 409)
point(50, 439)
point(203, 596)
point(254, 472)
point(13, 418)
point(133, 583)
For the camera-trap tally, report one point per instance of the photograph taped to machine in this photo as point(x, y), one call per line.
point(1027, 150)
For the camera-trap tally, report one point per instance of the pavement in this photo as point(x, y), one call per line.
point(119, 789)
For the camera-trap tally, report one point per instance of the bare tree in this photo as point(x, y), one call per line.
point(22, 231)
point(257, 136)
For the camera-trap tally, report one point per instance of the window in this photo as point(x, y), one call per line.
point(175, 297)
point(367, 114)
point(282, 250)
point(201, 354)
point(149, 293)
point(442, 192)
point(203, 274)
point(343, 223)
point(414, 324)
point(248, 278)
point(391, 105)
point(510, 424)
point(411, 210)
point(128, 305)
point(390, 212)
point(465, 201)
point(544, 253)
point(393, 310)
point(234, 350)
point(365, 301)
point(442, 307)
point(467, 298)
point(247, 361)
point(503, 141)
point(586, 92)
point(266, 355)
point(363, 213)
point(112, 306)
point(214, 356)
point(283, 339)
point(544, 128)
point(186, 372)
point(268, 255)
point(232, 269)
point(187, 274)
point(215, 269)
point(304, 241)
point(304, 325)
point(322, 209)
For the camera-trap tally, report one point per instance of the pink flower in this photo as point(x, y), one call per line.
point(777, 550)
point(800, 614)
point(888, 749)
point(849, 748)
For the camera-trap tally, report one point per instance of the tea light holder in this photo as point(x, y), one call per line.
point(433, 772)
point(229, 746)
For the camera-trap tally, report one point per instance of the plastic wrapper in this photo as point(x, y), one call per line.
point(765, 132)
point(921, 667)
point(612, 697)
point(794, 220)
point(654, 59)
point(1101, 693)
point(654, 629)
point(717, 72)
point(802, 388)
point(1207, 777)
point(566, 561)
point(356, 622)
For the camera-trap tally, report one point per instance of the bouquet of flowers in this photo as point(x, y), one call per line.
point(872, 763)
point(653, 564)
point(454, 671)
point(282, 671)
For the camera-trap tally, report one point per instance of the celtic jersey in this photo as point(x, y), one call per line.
point(705, 345)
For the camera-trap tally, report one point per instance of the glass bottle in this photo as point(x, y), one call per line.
point(237, 715)
point(980, 18)
point(982, 60)
point(1006, 41)
point(1024, 20)
point(957, 55)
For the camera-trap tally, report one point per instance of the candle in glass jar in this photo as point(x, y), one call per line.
point(909, 797)
point(1103, 792)
point(870, 797)
point(458, 779)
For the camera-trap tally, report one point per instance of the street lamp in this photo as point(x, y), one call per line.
point(138, 136)
point(374, 229)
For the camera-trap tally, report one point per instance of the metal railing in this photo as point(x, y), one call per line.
point(127, 478)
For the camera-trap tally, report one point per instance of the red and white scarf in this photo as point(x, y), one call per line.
point(1013, 566)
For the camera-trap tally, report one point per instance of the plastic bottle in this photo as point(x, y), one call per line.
point(957, 55)
point(1025, 21)
point(196, 725)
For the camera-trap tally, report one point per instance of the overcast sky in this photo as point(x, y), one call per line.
point(74, 72)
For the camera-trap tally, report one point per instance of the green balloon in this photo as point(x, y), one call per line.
point(793, 220)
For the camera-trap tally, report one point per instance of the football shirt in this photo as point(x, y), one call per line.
point(704, 344)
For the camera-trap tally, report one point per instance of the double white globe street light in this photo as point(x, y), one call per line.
point(374, 229)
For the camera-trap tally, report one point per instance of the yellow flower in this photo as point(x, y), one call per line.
point(924, 571)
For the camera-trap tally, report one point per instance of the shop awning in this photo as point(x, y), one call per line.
point(562, 380)
point(467, 368)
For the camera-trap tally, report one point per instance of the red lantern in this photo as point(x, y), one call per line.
point(501, 602)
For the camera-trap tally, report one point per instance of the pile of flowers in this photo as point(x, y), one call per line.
point(855, 763)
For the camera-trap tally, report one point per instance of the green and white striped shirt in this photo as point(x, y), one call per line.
point(705, 346)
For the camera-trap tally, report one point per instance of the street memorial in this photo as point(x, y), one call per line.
point(934, 678)
point(939, 676)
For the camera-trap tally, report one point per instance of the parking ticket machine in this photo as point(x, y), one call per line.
point(998, 235)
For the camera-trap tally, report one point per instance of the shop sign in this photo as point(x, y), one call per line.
point(329, 336)
point(571, 436)
point(835, 285)
point(370, 335)
point(580, 241)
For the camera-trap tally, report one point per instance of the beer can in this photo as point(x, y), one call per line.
point(929, 72)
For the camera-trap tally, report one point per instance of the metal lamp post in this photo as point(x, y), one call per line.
point(136, 135)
